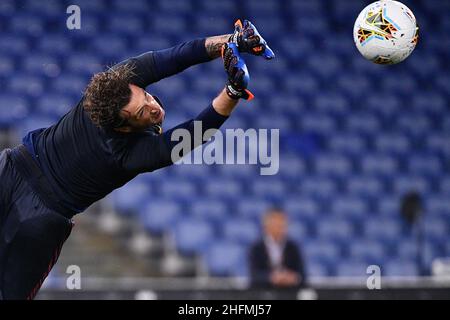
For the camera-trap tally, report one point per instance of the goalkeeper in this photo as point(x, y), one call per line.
point(111, 136)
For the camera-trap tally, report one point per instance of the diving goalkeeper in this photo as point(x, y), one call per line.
point(111, 136)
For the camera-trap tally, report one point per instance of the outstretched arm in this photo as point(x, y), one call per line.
point(214, 45)
point(152, 66)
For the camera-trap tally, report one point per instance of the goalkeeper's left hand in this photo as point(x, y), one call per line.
point(248, 40)
point(238, 76)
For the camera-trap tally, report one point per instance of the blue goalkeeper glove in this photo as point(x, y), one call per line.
point(248, 40)
point(238, 76)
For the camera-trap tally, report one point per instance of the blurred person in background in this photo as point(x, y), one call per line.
point(275, 260)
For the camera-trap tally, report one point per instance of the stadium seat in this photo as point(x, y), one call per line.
point(325, 251)
point(400, 268)
point(335, 229)
point(159, 216)
point(352, 268)
point(193, 236)
point(225, 258)
point(215, 211)
point(129, 198)
point(13, 109)
point(367, 250)
point(242, 231)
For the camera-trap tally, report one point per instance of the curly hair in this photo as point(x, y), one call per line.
point(106, 94)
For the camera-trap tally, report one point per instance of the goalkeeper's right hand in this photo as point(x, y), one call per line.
point(238, 76)
point(248, 40)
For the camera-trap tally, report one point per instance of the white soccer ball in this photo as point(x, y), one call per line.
point(386, 32)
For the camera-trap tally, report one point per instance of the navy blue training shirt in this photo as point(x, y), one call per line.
point(84, 163)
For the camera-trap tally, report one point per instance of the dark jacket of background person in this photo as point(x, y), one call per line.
point(262, 269)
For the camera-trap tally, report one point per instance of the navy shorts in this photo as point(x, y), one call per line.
point(31, 234)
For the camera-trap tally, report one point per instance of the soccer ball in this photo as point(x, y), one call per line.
point(386, 32)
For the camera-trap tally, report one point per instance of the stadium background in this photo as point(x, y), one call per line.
point(355, 138)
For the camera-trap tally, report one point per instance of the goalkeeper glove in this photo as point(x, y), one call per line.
point(238, 76)
point(248, 40)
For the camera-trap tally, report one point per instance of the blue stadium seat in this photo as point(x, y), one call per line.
point(302, 208)
point(318, 122)
point(404, 184)
point(25, 84)
point(27, 24)
point(268, 188)
point(445, 185)
point(352, 268)
point(402, 83)
point(303, 83)
point(40, 64)
point(215, 211)
point(355, 85)
point(56, 44)
point(331, 103)
point(126, 24)
point(436, 228)
point(225, 258)
point(392, 143)
point(152, 42)
point(316, 269)
point(70, 84)
point(45, 8)
point(327, 253)
point(389, 206)
point(382, 229)
point(193, 236)
point(333, 165)
point(228, 188)
point(426, 101)
point(94, 5)
point(350, 207)
point(160, 215)
point(318, 187)
point(14, 45)
point(298, 231)
point(6, 64)
point(384, 103)
point(438, 205)
point(177, 189)
point(170, 24)
point(400, 268)
point(367, 250)
point(365, 186)
point(312, 25)
point(363, 122)
point(130, 198)
point(378, 164)
point(31, 123)
point(54, 105)
point(349, 144)
point(109, 46)
point(438, 143)
point(13, 109)
point(242, 231)
point(83, 64)
point(428, 165)
point(291, 167)
point(222, 7)
point(325, 65)
point(335, 229)
point(252, 208)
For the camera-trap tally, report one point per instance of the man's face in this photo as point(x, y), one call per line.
point(275, 224)
point(143, 110)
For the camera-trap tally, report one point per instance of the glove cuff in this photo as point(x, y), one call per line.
point(237, 93)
